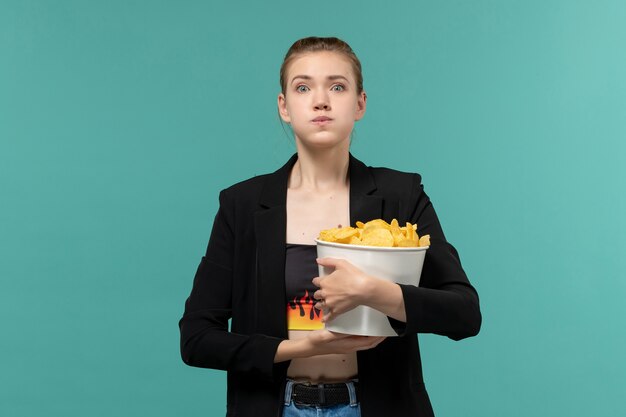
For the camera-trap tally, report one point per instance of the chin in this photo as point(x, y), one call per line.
point(325, 144)
point(324, 140)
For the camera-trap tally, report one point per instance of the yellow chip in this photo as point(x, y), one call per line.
point(354, 240)
point(376, 233)
point(424, 240)
point(327, 235)
point(377, 237)
point(397, 233)
point(376, 223)
point(344, 234)
point(410, 232)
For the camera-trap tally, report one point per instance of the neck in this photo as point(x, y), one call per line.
point(320, 169)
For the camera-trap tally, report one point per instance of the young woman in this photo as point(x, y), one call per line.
point(260, 267)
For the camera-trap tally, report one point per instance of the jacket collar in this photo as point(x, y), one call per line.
point(275, 189)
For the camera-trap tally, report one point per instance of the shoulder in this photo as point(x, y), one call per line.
point(388, 176)
point(247, 190)
point(267, 189)
point(403, 190)
point(395, 183)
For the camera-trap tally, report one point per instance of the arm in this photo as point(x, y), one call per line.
point(322, 342)
point(204, 337)
point(445, 302)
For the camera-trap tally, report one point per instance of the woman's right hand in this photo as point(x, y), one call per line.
point(323, 342)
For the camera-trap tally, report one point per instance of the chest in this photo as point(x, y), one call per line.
point(308, 213)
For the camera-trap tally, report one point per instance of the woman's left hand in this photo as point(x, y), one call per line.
point(342, 290)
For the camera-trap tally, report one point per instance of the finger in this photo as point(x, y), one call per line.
point(332, 309)
point(325, 317)
point(370, 343)
point(363, 340)
point(317, 281)
point(370, 339)
point(328, 315)
point(327, 336)
point(338, 335)
point(363, 348)
point(318, 295)
point(329, 262)
point(377, 341)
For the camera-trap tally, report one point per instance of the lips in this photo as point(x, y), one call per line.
point(321, 119)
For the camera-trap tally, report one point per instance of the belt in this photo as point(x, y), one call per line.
point(323, 394)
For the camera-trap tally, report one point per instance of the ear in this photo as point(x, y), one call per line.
point(361, 106)
point(282, 108)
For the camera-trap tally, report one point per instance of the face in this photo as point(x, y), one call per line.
point(321, 101)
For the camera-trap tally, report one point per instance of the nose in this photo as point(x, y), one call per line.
point(322, 106)
point(321, 101)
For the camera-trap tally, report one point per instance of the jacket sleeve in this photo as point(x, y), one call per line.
point(445, 302)
point(205, 340)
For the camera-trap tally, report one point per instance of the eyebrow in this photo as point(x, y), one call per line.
point(330, 77)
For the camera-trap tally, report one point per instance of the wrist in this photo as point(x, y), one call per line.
point(369, 287)
point(291, 349)
point(387, 297)
point(303, 348)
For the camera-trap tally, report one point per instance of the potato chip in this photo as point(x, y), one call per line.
point(338, 235)
point(396, 232)
point(377, 237)
point(376, 223)
point(410, 232)
point(344, 234)
point(327, 235)
point(407, 243)
point(354, 240)
point(377, 233)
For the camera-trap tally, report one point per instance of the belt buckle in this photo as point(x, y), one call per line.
point(294, 395)
point(322, 394)
point(321, 401)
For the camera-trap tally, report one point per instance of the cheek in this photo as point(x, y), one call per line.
point(349, 105)
point(349, 111)
point(295, 116)
point(294, 107)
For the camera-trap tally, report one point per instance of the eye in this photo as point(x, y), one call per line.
point(302, 88)
point(338, 87)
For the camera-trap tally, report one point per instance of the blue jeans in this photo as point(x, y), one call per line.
point(292, 409)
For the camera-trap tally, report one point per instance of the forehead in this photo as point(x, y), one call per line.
point(320, 64)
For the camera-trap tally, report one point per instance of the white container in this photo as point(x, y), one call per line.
point(399, 265)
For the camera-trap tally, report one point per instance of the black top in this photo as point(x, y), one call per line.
point(300, 269)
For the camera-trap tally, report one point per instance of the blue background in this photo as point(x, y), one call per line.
point(120, 121)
